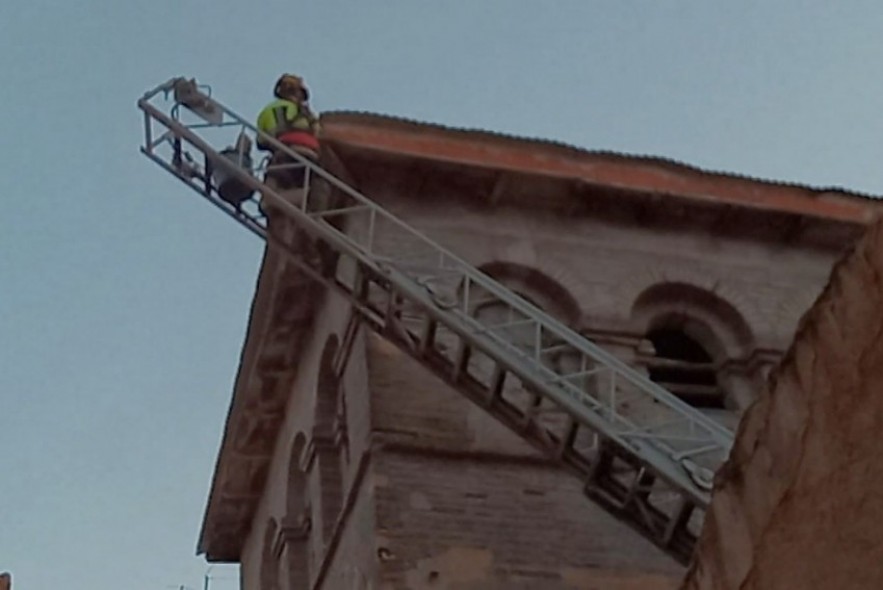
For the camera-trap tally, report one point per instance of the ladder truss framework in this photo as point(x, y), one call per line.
point(643, 454)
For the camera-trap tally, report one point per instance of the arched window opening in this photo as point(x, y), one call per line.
point(702, 314)
point(701, 341)
point(683, 366)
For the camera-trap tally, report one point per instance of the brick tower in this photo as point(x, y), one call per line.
point(346, 465)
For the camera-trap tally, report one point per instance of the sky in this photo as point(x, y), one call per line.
point(124, 296)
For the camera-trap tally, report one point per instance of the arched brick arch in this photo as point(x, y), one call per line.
point(640, 283)
point(327, 435)
point(704, 315)
point(296, 525)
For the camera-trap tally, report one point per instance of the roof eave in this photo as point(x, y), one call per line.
point(629, 173)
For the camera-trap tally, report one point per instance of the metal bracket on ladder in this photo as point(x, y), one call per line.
point(643, 454)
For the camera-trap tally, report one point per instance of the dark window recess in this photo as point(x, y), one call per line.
point(683, 367)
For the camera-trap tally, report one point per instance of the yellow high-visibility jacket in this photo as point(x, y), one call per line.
point(288, 122)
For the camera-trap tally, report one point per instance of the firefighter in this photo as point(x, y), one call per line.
point(290, 120)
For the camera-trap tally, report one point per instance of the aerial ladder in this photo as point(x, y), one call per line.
point(643, 454)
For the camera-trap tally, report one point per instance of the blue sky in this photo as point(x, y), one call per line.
point(124, 297)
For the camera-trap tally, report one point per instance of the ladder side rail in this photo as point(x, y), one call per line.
point(716, 431)
point(403, 285)
point(345, 242)
point(469, 276)
point(582, 345)
point(625, 428)
point(534, 377)
point(469, 273)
